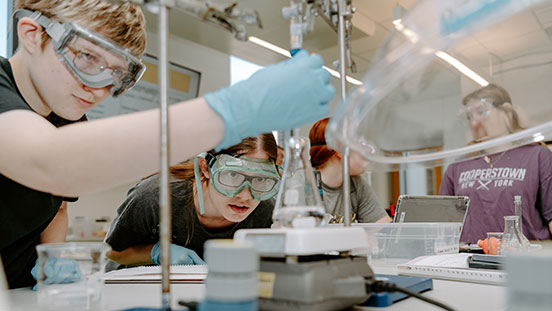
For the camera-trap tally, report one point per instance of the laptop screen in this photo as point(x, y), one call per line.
point(431, 208)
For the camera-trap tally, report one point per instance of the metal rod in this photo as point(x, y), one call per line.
point(342, 7)
point(342, 10)
point(346, 189)
point(165, 192)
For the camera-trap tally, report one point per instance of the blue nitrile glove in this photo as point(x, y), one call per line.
point(58, 271)
point(179, 255)
point(279, 97)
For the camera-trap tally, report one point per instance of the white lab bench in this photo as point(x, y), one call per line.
point(460, 295)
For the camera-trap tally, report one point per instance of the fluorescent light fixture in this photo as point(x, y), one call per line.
point(412, 36)
point(279, 50)
point(270, 46)
point(337, 75)
point(409, 34)
point(462, 68)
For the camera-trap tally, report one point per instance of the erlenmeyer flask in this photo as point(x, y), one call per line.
point(298, 203)
point(513, 239)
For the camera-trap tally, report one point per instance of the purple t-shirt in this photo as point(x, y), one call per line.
point(525, 171)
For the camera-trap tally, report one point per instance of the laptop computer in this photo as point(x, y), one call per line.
point(431, 208)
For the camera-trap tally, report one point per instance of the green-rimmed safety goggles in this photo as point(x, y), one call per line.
point(230, 175)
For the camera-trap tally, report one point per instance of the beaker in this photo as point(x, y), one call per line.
point(70, 275)
point(298, 203)
point(513, 239)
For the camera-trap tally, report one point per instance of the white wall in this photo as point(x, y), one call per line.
point(215, 73)
point(3, 30)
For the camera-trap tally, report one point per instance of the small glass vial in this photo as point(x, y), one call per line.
point(513, 239)
point(298, 204)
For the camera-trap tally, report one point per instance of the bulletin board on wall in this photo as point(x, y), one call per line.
point(184, 85)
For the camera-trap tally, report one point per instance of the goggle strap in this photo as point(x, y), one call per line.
point(199, 186)
point(55, 30)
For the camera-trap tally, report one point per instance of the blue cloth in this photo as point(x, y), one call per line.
point(58, 271)
point(179, 255)
point(279, 97)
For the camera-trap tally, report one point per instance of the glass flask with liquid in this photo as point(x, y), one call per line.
point(513, 239)
point(298, 204)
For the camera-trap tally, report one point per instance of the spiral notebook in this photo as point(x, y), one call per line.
point(451, 267)
point(152, 274)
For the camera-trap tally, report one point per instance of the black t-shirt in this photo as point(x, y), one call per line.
point(24, 212)
point(137, 220)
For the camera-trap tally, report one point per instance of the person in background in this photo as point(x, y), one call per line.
point(364, 203)
point(491, 182)
point(72, 55)
point(280, 159)
point(236, 186)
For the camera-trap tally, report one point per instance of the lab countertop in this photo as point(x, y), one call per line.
point(459, 295)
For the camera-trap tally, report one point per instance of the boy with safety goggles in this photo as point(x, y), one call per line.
point(73, 54)
point(212, 196)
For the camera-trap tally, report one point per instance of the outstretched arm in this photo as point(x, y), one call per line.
point(92, 156)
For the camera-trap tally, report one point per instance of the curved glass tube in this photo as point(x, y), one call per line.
point(410, 111)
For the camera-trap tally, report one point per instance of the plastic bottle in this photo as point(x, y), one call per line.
point(231, 283)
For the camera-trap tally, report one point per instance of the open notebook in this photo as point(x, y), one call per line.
point(152, 274)
point(451, 267)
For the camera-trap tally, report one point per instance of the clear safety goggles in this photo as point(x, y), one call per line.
point(230, 175)
point(477, 110)
point(94, 60)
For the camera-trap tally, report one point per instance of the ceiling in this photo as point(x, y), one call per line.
point(526, 33)
point(322, 40)
point(529, 32)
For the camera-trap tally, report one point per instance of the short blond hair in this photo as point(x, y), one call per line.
point(120, 21)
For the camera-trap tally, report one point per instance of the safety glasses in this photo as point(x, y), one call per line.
point(94, 60)
point(230, 175)
point(477, 110)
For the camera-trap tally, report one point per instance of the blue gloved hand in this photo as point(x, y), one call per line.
point(279, 97)
point(58, 271)
point(179, 255)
